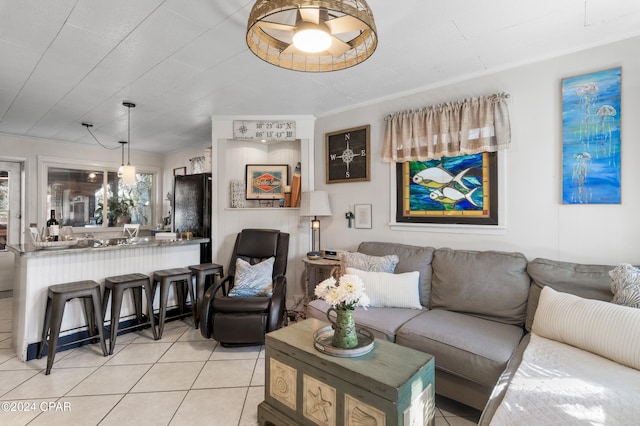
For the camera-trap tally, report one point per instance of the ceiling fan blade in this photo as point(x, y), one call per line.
point(275, 26)
point(310, 15)
point(345, 24)
point(290, 50)
point(338, 47)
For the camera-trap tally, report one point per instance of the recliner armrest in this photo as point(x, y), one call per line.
point(205, 305)
point(278, 301)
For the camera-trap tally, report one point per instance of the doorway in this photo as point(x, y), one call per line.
point(10, 218)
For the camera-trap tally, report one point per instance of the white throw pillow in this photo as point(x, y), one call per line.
point(606, 329)
point(387, 290)
point(253, 280)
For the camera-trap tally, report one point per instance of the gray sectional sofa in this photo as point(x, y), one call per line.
point(476, 308)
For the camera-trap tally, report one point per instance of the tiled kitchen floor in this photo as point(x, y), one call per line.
point(182, 379)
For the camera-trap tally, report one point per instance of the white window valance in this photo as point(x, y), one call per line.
point(468, 126)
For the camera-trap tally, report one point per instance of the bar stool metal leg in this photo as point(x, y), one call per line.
point(204, 274)
point(164, 278)
point(57, 298)
point(97, 315)
point(116, 286)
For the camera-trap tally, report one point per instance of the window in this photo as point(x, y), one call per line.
point(78, 197)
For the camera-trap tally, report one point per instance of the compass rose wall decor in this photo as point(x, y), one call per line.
point(347, 155)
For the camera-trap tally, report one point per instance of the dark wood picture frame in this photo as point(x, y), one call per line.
point(347, 155)
point(180, 171)
point(266, 181)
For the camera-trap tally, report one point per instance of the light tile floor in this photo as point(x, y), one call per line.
point(182, 379)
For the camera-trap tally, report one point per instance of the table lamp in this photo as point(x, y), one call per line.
point(315, 203)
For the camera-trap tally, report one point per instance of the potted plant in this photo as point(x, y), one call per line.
point(118, 211)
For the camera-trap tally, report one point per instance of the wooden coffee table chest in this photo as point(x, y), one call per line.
point(391, 385)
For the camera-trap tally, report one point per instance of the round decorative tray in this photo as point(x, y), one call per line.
point(322, 341)
point(54, 245)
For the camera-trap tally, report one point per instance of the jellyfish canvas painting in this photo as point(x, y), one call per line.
point(591, 138)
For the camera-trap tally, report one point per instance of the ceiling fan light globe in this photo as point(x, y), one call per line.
point(312, 40)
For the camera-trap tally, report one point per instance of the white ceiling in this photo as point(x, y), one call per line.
point(64, 62)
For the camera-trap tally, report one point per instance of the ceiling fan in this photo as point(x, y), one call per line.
point(316, 31)
point(312, 35)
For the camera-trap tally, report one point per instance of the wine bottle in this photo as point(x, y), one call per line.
point(53, 226)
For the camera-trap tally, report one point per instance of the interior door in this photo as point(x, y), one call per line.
point(10, 214)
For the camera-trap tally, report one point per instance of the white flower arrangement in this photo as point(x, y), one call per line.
point(346, 293)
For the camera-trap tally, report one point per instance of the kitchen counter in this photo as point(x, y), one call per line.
point(100, 244)
point(36, 270)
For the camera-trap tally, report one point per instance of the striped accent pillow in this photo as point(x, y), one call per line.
point(606, 329)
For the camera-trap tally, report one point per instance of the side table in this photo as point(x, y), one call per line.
point(316, 271)
point(391, 385)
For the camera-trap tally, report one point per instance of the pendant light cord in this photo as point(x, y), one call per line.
point(88, 126)
point(129, 136)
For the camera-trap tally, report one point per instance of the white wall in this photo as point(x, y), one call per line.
point(537, 223)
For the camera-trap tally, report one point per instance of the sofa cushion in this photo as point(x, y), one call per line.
point(411, 258)
point(489, 284)
point(596, 326)
point(387, 290)
point(382, 322)
point(588, 281)
point(473, 348)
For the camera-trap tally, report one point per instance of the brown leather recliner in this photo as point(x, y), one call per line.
point(237, 321)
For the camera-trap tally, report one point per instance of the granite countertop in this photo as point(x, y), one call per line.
point(99, 244)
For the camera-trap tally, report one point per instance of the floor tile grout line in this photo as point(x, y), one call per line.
point(21, 383)
point(112, 408)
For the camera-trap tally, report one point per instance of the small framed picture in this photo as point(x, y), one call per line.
point(362, 216)
point(180, 171)
point(266, 181)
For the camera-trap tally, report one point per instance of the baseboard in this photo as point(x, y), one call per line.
point(125, 327)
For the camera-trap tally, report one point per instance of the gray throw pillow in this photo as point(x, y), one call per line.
point(365, 262)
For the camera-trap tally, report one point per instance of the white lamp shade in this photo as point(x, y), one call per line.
point(128, 175)
point(315, 203)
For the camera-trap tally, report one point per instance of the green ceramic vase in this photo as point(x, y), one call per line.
point(344, 328)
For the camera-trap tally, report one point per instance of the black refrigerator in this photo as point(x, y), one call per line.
point(192, 209)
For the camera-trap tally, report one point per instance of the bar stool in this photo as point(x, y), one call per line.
point(201, 272)
point(115, 286)
point(58, 296)
point(166, 277)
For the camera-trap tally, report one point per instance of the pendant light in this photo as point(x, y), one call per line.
point(128, 171)
point(312, 35)
point(121, 168)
